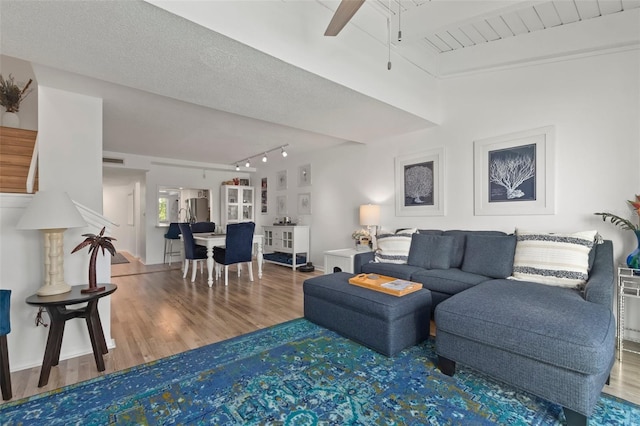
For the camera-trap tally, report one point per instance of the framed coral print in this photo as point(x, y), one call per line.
point(420, 184)
point(304, 203)
point(281, 180)
point(263, 196)
point(304, 175)
point(514, 173)
point(281, 202)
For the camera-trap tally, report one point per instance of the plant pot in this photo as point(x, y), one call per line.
point(11, 119)
point(633, 260)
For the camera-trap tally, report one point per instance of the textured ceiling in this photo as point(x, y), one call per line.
point(250, 76)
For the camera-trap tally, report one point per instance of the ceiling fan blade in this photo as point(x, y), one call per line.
point(344, 13)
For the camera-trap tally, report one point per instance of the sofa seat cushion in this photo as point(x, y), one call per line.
point(448, 281)
point(553, 325)
point(391, 269)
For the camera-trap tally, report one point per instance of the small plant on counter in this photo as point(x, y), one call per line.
point(11, 95)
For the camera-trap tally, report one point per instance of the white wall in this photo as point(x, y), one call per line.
point(593, 103)
point(115, 201)
point(70, 127)
point(174, 174)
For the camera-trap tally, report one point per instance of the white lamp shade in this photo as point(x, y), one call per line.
point(51, 210)
point(369, 214)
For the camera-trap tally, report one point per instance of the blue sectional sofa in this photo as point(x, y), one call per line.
point(555, 342)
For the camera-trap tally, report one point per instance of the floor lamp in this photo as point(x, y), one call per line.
point(52, 212)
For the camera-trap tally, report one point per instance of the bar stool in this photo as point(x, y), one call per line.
point(173, 233)
point(5, 328)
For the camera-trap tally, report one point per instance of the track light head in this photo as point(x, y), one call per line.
point(265, 158)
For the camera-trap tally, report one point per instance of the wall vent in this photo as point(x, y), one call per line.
point(113, 160)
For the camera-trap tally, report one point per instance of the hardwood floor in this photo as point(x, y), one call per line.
point(156, 313)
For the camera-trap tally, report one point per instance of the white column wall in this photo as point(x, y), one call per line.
point(70, 145)
point(70, 141)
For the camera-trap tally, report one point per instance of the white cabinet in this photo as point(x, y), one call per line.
point(339, 260)
point(237, 204)
point(286, 245)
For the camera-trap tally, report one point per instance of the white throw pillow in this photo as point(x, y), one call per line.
point(554, 259)
point(393, 248)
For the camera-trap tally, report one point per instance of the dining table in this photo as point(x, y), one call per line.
point(210, 240)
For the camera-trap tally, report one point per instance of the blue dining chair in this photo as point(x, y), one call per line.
point(237, 250)
point(203, 227)
point(192, 252)
point(5, 328)
point(173, 233)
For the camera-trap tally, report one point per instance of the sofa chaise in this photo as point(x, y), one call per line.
point(552, 336)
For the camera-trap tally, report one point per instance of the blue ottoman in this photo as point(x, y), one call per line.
point(382, 322)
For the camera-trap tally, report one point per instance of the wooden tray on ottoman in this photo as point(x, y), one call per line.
point(384, 284)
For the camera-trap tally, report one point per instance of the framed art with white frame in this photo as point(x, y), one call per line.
point(304, 175)
point(420, 183)
point(304, 203)
point(281, 180)
point(263, 196)
point(281, 202)
point(514, 174)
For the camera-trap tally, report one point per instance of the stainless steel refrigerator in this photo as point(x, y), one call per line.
point(198, 209)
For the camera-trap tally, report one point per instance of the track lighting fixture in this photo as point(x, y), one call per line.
point(247, 161)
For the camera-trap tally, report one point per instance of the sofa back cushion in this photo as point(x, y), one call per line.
point(459, 240)
point(392, 248)
point(430, 251)
point(553, 259)
point(489, 255)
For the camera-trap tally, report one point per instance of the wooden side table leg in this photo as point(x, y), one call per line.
point(57, 345)
point(94, 327)
point(100, 332)
point(52, 350)
point(5, 374)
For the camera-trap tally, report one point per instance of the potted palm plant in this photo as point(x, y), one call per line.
point(633, 260)
point(11, 95)
point(95, 242)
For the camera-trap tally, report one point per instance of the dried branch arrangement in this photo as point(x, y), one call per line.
point(11, 94)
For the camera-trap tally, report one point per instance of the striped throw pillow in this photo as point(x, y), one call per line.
point(393, 248)
point(554, 259)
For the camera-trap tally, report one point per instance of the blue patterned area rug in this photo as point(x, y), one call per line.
point(296, 373)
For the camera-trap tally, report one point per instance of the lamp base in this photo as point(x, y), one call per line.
point(53, 289)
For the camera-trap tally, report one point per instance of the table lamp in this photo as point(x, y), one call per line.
point(52, 212)
point(369, 216)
